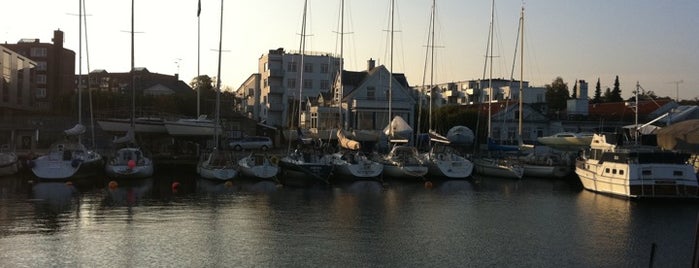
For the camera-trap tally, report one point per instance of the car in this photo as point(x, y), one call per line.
point(251, 142)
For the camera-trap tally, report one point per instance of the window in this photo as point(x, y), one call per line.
point(324, 84)
point(265, 83)
point(324, 68)
point(371, 93)
point(41, 79)
point(307, 83)
point(38, 52)
point(614, 171)
point(291, 83)
point(41, 93)
point(606, 170)
point(291, 67)
point(308, 67)
point(621, 172)
point(265, 66)
point(41, 66)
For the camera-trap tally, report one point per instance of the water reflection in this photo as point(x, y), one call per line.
point(228, 187)
point(127, 192)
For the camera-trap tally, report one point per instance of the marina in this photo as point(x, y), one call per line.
point(176, 219)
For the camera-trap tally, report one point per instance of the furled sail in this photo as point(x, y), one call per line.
point(345, 142)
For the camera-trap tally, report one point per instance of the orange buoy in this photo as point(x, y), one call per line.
point(428, 185)
point(228, 184)
point(113, 185)
point(69, 183)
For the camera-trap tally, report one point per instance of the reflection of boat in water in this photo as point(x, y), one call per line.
point(227, 187)
point(128, 192)
point(57, 196)
point(9, 163)
point(641, 171)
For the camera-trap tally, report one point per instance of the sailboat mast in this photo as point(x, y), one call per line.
point(198, 58)
point(89, 91)
point(431, 45)
point(521, 72)
point(80, 62)
point(302, 49)
point(218, 80)
point(390, 74)
point(133, 76)
point(490, 58)
point(342, 63)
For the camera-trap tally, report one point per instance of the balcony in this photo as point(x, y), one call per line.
point(275, 72)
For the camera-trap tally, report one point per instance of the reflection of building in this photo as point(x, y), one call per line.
point(282, 79)
point(55, 68)
point(17, 83)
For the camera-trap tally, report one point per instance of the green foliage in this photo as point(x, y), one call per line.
point(598, 93)
point(556, 95)
point(615, 94)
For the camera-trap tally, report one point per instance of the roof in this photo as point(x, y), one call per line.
point(355, 79)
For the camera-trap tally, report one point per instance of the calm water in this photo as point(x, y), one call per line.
point(480, 223)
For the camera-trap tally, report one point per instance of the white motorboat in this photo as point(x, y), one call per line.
point(259, 166)
point(149, 125)
point(200, 126)
point(569, 140)
point(636, 171)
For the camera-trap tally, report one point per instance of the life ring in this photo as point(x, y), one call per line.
point(274, 160)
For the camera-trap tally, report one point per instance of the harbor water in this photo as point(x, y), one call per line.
point(178, 220)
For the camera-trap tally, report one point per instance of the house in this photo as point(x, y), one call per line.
point(146, 83)
point(365, 101)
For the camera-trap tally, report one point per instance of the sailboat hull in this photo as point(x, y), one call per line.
point(9, 164)
point(497, 168)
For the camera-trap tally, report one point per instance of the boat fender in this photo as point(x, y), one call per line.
point(274, 160)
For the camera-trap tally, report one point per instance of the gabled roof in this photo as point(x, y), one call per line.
point(356, 79)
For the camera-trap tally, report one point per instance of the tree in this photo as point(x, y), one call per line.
point(615, 95)
point(556, 95)
point(607, 95)
point(598, 93)
point(574, 94)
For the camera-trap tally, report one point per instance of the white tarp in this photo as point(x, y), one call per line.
point(398, 128)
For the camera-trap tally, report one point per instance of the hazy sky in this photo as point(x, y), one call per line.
point(653, 42)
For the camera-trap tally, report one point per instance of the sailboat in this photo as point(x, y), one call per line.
point(403, 161)
point(69, 158)
point(537, 163)
point(308, 164)
point(350, 162)
point(260, 166)
point(489, 165)
point(217, 164)
point(129, 161)
point(442, 161)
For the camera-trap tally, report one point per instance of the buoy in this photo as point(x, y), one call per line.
point(113, 185)
point(69, 183)
point(131, 164)
point(428, 185)
point(175, 186)
point(274, 160)
point(228, 184)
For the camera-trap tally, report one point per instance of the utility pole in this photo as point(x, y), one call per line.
point(677, 89)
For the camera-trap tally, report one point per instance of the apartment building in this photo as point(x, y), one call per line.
point(17, 87)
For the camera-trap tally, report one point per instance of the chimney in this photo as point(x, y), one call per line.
point(58, 38)
point(370, 64)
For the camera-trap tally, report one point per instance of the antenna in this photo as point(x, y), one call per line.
point(677, 89)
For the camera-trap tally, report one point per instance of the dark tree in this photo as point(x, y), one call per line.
point(556, 95)
point(598, 93)
point(574, 94)
point(607, 95)
point(616, 92)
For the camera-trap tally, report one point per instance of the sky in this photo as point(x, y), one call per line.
point(654, 43)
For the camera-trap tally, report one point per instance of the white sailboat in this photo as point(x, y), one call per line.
point(308, 164)
point(261, 166)
point(69, 158)
point(403, 161)
point(130, 161)
point(442, 161)
point(350, 162)
point(489, 165)
point(217, 164)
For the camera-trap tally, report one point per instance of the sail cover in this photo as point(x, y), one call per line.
point(680, 136)
point(76, 130)
point(461, 135)
point(399, 127)
point(346, 142)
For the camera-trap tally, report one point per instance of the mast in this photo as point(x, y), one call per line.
point(490, 58)
point(80, 66)
point(218, 80)
point(521, 73)
point(431, 44)
point(342, 63)
point(133, 76)
point(89, 91)
point(198, 58)
point(390, 75)
point(302, 49)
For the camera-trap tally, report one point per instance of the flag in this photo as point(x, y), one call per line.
point(199, 8)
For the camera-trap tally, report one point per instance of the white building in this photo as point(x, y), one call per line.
point(285, 85)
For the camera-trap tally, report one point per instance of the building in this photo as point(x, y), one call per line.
point(477, 91)
point(285, 86)
point(17, 87)
point(147, 83)
point(55, 68)
point(249, 95)
point(579, 107)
